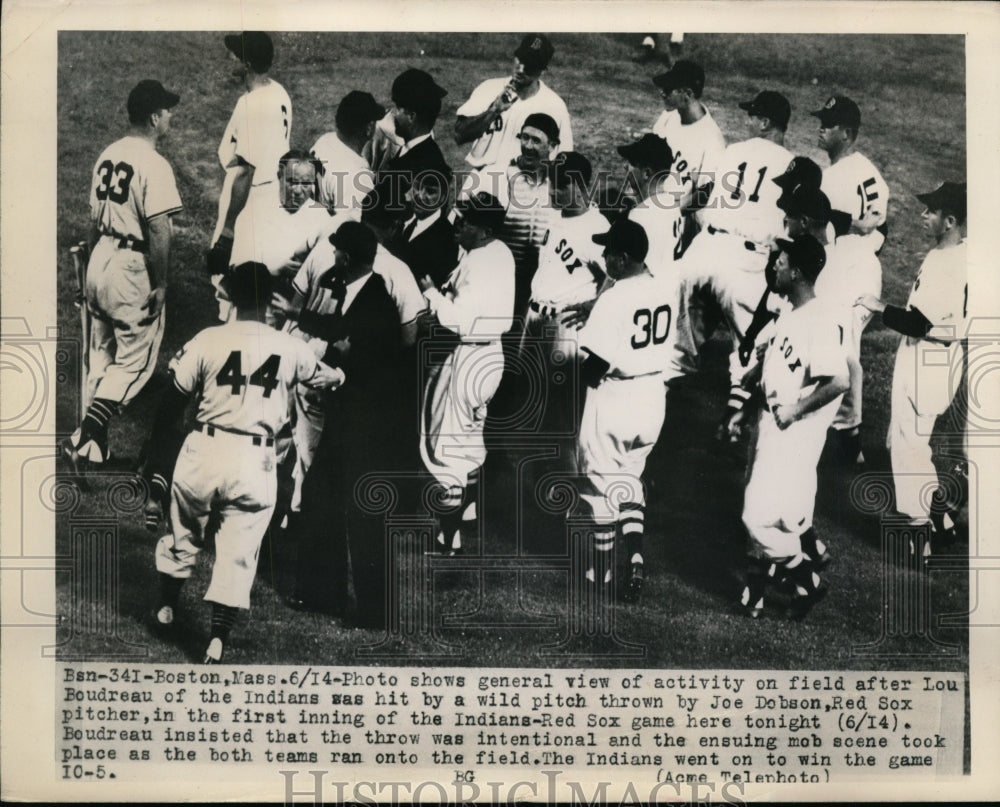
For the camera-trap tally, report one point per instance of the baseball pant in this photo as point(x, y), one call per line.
point(556, 388)
point(780, 494)
point(731, 270)
point(225, 486)
point(924, 382)
point(124, 340)
point(457, 394)
point(621, 422)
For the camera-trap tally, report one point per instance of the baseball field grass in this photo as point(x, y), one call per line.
point(913, 129)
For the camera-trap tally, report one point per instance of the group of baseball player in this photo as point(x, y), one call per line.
point(372, 307)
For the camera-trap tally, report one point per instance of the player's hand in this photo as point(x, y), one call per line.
point(576, 315)
point(217, 258)
point(328, 377)
point(785, 415)
point(504, 100)
point(284, 306)
point(154, 303)
point(153, 514)
point(426, 284)
point(761, 350)
point(871, 302)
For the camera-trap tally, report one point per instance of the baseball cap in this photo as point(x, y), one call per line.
point(806, 201)
point(569, 166)
point(148, 96)
point(772, 105)
point(625, 236)
point(649, 150)
point(356, 240)
point(535, 52)
point(683, 74)
point(950, 197)
point(805, 253)
point(544, 123)
point(248, 284)
point(482, 209)
point(357, 109)
point(800, 171)
point(839, 110)
point(416, 88)
point(254, 47)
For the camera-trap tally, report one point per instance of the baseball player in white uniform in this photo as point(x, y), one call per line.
point(494, 115)
point(477, 305)
point(691, 132)
point(803, 375)
point(627, 341)
point(132, 197)
point(257, 134)
point(727, 258)
point(345, 176)
point(929, 357)
point(854, 185)
point(224, 480)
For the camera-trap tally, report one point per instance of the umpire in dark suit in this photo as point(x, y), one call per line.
point(363, 338)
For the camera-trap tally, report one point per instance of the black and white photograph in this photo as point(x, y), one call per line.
point(364, 368)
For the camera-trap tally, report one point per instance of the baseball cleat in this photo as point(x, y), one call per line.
point(632, 591)
point(802, 604)
point(750, 609)
point(77, 465)
point(213, 653)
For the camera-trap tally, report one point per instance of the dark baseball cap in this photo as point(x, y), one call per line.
point(248, 284)
point(416, 88)
point(357, 240)
point(482, 209)
point(254, 47)
point(625, 236)
point(805, 201)
point(649, 151)
point(544, 123)
point(569, 166)
point(805, 253)
point(683, 74)
point(357, 109)
point(800, 171)
point(839, 110)
point(147, 97)
point(535, 52)
point(772, 105)
point(950, 197)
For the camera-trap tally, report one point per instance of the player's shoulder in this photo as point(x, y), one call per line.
point(550, 95)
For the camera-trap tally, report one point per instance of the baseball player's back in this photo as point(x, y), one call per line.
point(346, 177)
point(259, 129)
point(853, 184)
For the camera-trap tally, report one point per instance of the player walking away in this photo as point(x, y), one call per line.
point(854, 185)
point(496, 112)
point(802, 377)
point(727, 259)
point(477, 305)
point(627, 342)
point(934, 320)
point(345, 177)
point(132, 197)
point(224, 479)
point(693, 135)
point(256, 136)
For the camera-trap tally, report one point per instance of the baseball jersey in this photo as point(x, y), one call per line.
point(632, 326)
point(132, 184)
point(744, 201)
point(477, 300)
point(529, 209)
point(855, 186)
point(500, 143)
point(941, 293)
point(258, 131)
point(243, 371)
point(851, 270)
point(660, 217)
point(808, 343)
point(346, 177)
point(697, 146)
point(562, 277)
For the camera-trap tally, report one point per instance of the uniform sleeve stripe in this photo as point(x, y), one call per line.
point(166, 212)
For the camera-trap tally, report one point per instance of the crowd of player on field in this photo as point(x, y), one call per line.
point(363, 290)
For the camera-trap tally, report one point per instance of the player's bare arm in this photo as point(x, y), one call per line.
point(472, 127)
point(828, 388)
point(327, 377)
point(576, 315)
point(871, 302)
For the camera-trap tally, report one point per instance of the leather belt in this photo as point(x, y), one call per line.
point(750, 246)
point(128, 242)
point(256, 439)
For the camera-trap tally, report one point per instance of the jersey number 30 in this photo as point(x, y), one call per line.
point(265, 376)
point(653, 327)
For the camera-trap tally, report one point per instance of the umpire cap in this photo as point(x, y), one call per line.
point(248, 285)
point(804, 253)
point(482, 209)
point(416, 89)
point(147, 97)
point(357, 240)
point(544, 123)
point(649, 151)
point(625, 236)
point(254, 47)
point(951, 197)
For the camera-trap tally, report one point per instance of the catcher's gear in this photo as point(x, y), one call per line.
point(217, 258)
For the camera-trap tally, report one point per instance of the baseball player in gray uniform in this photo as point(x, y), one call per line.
point(132, 197)
point(224, 481)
